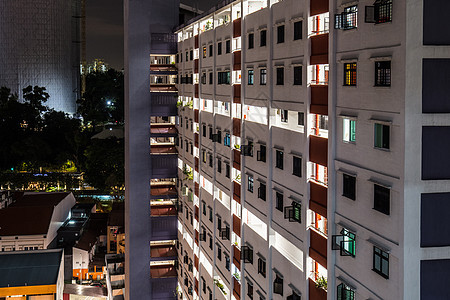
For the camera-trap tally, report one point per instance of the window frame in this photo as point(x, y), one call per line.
point(281, 31)
point(297, 75)
point(383, 73)
point(263, 38)
point(279, 201)
point(380, 204)
point(299, 167)
point(380, 142)
point(279, 159)
point(251, 40)
point(298, 32)
point(350, 74)
point(263, 76)
point(345, 193)
point(250, 77)
point(250, 183)
point(383, 257)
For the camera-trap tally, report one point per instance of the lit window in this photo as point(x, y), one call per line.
point(349, 130)
point(381, 136)
point(350, 74)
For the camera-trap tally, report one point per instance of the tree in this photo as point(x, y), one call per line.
point(103, 100)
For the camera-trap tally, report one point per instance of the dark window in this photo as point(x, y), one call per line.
point(228, 46)
point(227, 170)
point(250, 77)
point(381, 262)
point(263, 38)
point(298, 75)
point(210, 133)
point(219, 223)
point(210, 160)
point(249, 290)
point(210, 214)
point(382, 73)
point(279, 159)
point(381, 136)
point(210, 295)
point(280, 34)
point(219, 253)
point(262, 267)
point(181, 57)
point(211, 77)
point(177, 59)
point(349, 186)
point(301, 119)
point(219, 48)
point(262, 191)
point(204, 208)
point(297, 166)
point(223, 77)
point(203, 285)
point(204, 130)
point(261, 154)
point(280, 76)
point(278, 285)
point(381, 201)
point(203, 80)
point(219, 165)
point(344, 292)
point(263, 77)
point(279, 201)
point(380, 12)
point(284, 115)
point(298, 30)
point(350, 74)
point(251, 41)
point(211, 50)
point(250, 184)
point(227, 263)
point(210, 242)
point(187, 56)
point(191, 55)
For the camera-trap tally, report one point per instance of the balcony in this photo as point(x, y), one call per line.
point(236, 159)
point(318, 7)
point(319, 99)
point(237, 189)
point(163, 69)
point(237, 28)
point(161, 149)
point(316, 293)
point(163, 250)
point(236, 127)
point(319, 49)
point(163, 191)
point(162, 210)
point(236, 225)
point(163, 104)
point(163, 271)
point(236, 60)
point(318, 198)
point(161, 130)
point(318, 247)
point(237, 93)
point(236, 257)
point(161, 88)
point(318, 150)
point(236, 289)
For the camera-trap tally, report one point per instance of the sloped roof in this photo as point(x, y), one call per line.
point(29, 268)
point(29, 215)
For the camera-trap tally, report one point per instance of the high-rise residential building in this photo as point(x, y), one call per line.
point(40, 46)
point(312, 150)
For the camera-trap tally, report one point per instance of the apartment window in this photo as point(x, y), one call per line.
point(261, 154)
point(223, 77)
point(349, 186)
point(210, 242)
point(279, 201)
point(211, 133)
point(263, 38)
point(381, 136)
point(349, 130)
point(228, 46)
point(204, 130)
point(219, 223)
point(263, 77)
point(278, 285)
point(177, 59)
point(297, 166)
point(204, 156)
point(280, 34)
point(344, 292)
point(219, 253)
point(284, 115)
point(203, 285)
point(181, 142)
point(204, 51)
point(382, 73)
point(382, 201)
point(211, 160)
point(191, 55)
point(187, 123)
point(301, 119)
point(192, 219)
point(210, 213)
point(227, 262)
point(210, 295)
point(280, 76)
point(348, 18)
point(219, 48)
point(262, 267)
point(298, 30)
point(211, 77)
point(227, 170)
point(187, 146)
point(380, 12)
point(250, 183)
point(203, 78)
point(262, 191)
point(279, 159)
point(250, 77)
point(247, 254)
point(227, 140)
point(381, 262)
point(219, 165)
point(204, 208)
point(249, 289)
point(350, 74)
point(211, 50)
point(251, 41)
point(298, 75)
point(187, 56)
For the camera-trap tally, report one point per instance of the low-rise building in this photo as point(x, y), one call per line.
point(32, 275)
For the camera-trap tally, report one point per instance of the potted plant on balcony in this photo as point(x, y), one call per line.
point(321, 283)
point(220, 286)
point(189, 174)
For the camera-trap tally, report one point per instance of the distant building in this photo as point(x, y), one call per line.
point(40, 46)
point(32, 221)
point(32, 275)
point(97, 65)
point(115, 276)
point(116, 229)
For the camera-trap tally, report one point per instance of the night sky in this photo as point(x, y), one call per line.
point(104, 26)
